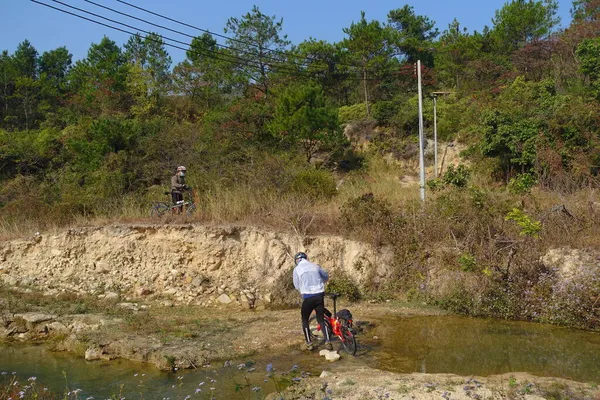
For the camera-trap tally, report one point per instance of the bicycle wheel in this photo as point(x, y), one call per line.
point(191, 209)
point(158, 210)
point(348, 340)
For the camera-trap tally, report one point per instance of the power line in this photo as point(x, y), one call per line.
point(166, 28)
point(194, 27)
point(219, 56)
point(211, 54)
point(311, 59)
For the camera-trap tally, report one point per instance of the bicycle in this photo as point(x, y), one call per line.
point(339, 324)
point(160, 208)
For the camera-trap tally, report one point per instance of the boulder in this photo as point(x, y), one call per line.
point(224, 299)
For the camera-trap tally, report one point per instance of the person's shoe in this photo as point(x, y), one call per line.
point(308, 347)
point(328, 346)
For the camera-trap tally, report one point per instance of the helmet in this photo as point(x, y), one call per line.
point(300, 256)
point(181, 168)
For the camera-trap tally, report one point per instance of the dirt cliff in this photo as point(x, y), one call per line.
point(191, 263)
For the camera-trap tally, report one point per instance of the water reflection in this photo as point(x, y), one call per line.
point(467, 346)
point(122, 378)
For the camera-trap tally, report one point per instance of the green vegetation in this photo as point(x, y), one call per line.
point(97, 139)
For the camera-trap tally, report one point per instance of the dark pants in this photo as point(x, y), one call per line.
point(177, 196)
point(317, 304)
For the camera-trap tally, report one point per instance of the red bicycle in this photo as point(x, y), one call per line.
point(339, 323)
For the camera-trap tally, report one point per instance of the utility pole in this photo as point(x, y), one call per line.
point(435, 171)
point(421, 135)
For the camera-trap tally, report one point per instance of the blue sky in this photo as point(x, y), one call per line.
point(48, 29)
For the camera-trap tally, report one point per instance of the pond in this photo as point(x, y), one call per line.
point(470, 346)
point(430, 344)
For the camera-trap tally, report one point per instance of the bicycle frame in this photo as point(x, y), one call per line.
point(158, 209)
point(343, 330)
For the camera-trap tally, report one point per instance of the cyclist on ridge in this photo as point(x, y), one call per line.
point(178, 185)
point(309, 280)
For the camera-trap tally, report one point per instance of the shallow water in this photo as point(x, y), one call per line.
point(469, 346)
point(438, 344)
point(130, 380)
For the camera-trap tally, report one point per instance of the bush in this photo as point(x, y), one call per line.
point(343, 285)
point(521, 184)
point(314, 183)
point(458, 176)
point(355, 112)
point(372, 217)
point(528, 226)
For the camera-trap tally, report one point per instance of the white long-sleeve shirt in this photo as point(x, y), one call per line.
point(309, 278)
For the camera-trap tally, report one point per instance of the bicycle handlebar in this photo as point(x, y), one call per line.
point(333, 295)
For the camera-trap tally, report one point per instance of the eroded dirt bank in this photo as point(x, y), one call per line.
point(189, 263)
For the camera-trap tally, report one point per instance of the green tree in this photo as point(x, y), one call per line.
point(99, 82)
point(7, 83)
point(368, 45)
point(149, 78)
point(414, 35)
point(54, 68)
point(522, 21)
point(303, 116)
point(204, 76)
point(588, 53)
point(586, 10)
point(25, 60)
point(327, 64)
point(257, 43)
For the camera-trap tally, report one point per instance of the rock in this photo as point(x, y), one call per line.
point(325, 374)
point(224, 299)
point(143, 291)
point(128, 306)
point(330, 356)
point(34, 318)
point(111, 296)
point(167, 303)
point(170, 291)
point(58, 327)
point(259, 305)
point(93, 354)
point(10, 280)
point(267, 298)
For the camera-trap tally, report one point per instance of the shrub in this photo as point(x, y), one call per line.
point(467, 262)
point(458, 176)
point(355, 112)
point(521, 184)
point(343, 285)
point(314, 183)
point(528, 226)
point(372, 217)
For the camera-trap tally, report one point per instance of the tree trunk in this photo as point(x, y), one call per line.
point(366, 92)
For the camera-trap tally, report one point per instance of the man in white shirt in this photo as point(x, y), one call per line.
point(309, 280)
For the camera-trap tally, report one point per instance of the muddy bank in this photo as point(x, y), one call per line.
point(369, 383)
